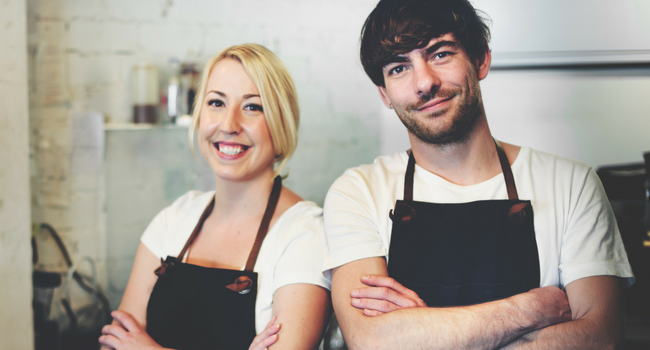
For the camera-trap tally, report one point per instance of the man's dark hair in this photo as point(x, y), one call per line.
point(399, 26)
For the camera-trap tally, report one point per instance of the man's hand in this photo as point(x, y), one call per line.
point(268, 336)
point(126, 334)
point(384, 295)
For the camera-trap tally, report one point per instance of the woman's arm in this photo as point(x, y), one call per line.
point(304, 311)
point(141, 283)
point(126, 334)
point(138, 290)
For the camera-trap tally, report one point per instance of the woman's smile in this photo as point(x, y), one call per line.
point(231, 149)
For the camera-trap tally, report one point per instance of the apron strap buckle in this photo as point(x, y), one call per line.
point(163, 268)
point(517, 213)
point(403, 213)
point(242, 285)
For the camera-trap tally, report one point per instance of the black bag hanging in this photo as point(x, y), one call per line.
point(77, 327)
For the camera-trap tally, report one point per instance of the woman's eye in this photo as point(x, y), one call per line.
point(215, 103)
point(254, 107)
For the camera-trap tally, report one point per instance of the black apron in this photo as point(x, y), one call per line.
point(466, 253)
point(195, 307)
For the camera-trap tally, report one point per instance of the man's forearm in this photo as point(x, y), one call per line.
point(597, 305)
point(577, 334)
point(485, 326)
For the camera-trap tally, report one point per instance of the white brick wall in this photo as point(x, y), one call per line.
point(16, 330)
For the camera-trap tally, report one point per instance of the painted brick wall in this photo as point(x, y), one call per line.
point(15, 255)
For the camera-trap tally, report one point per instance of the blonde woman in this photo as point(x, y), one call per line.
point(243, 259)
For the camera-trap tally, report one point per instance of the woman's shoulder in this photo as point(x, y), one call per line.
point(190, 202)
point(301, 218)
point(287, 199)
point(185, 209)
point(171, 227)
point(304, 208)
point(291, 204)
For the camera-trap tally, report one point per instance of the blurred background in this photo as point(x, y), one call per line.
point(570, 78)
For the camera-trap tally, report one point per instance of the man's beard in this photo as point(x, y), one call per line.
point(463, 121)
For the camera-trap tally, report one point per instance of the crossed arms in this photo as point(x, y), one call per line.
point(385, 315)
point(300, 310)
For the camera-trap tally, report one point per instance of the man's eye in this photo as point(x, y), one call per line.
point(254, 107)
point(440, 55)
point(396, 70)
point(215, 103)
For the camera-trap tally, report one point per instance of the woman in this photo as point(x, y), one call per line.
point(231, 277)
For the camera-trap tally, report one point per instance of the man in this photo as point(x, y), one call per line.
point(446, 222)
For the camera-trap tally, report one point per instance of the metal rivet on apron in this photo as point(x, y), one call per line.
point(516, 214)
point(242, 285)
point(163, 268)
point(404, 213)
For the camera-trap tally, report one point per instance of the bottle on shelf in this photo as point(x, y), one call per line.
point(145, 93)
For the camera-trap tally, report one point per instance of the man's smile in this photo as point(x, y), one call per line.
point(434, 104)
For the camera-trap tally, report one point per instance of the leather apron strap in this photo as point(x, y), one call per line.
point(261, 232)
point(264, 225)
point(507, 171)
point(503, 160)
point(516, 212)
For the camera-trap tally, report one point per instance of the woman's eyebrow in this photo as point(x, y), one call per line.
point(217, 92)
point(223, 94)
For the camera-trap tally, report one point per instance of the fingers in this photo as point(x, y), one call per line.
point(372, 313)
point(383, 281)
point(387, 294)
point(109, 342)
point(115, 330)
point(126, 320)
point(384, 295)
point(267, 337)
point(271, 322)
point(392, 284)
point(374, 304)
point(265, 343)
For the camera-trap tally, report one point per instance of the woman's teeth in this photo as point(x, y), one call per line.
point(231, 150)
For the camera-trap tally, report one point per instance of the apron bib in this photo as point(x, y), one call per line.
point(195, 307)
point(464, 253)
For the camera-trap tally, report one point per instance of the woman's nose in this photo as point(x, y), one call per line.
point(230, 124)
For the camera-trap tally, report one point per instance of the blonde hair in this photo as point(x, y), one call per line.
point(277, 91)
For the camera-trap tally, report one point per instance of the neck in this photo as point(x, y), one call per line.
point(466, 163)
point(242, 198)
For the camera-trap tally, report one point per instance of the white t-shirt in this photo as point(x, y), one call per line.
point(292, 251)
point(575, 228)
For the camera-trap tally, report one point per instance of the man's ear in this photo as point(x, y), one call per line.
point(483, 64)
point(384, 96)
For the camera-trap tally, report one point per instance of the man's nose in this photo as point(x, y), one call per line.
point(427, 81)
